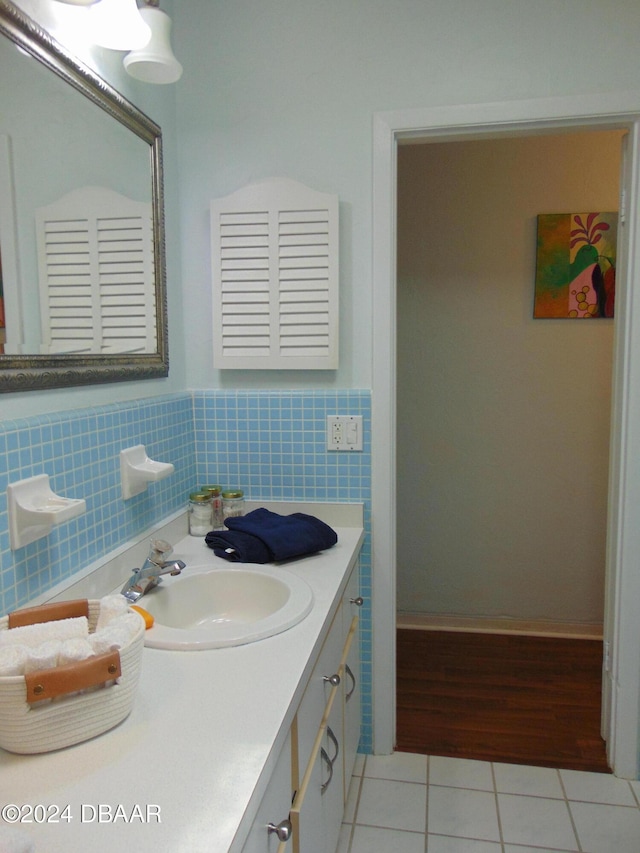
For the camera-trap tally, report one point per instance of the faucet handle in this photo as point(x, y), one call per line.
point(160, 548)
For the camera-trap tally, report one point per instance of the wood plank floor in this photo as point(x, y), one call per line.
point(497, 697)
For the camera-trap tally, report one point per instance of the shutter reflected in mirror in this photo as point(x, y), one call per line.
point(96, 274)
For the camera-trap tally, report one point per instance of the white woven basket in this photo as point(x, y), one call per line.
point(68, 719)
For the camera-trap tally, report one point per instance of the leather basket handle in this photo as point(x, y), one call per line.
point(49, 683)
point(48, 613)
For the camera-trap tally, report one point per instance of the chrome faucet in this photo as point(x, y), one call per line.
point(144, 579)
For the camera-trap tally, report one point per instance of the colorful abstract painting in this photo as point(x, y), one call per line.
point(576, 265)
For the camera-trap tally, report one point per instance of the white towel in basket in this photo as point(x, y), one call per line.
point(117, 634)
point(34, 635)
point(73, 650)
point(12, 661)
point(111, 607)
point(44, 656)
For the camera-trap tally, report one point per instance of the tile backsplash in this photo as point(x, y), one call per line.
point(272, 444)
point(80, 451)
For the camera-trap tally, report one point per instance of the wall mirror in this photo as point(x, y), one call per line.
point(82, 249)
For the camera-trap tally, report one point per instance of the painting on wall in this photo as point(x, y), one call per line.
point(576, 265)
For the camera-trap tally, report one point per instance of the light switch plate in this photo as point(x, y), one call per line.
point(344, 432)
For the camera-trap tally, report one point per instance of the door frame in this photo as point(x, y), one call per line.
point(621, 702)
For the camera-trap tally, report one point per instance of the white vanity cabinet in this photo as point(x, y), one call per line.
point(321, 747)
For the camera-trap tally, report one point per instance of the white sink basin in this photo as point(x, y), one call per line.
point(207, 608)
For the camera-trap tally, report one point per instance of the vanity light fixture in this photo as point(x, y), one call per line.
point(154, 62)
point(118, 25)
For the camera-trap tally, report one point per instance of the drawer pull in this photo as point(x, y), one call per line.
point(348, 671)
point(334, 680)
point(329, 764)
point(334, 740)
point(282, 830)
point(359, 601)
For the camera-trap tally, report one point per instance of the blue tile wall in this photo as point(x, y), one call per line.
point(270, 443)
point(80, 451)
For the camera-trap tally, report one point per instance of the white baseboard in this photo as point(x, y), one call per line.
point(500, 625)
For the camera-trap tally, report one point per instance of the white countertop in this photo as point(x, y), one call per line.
point(199, 745)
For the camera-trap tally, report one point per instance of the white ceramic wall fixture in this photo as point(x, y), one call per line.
point(137, 471)
point(34, 509)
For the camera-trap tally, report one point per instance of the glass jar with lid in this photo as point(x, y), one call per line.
point(215, 498)
point(232, 503)
point(199, 514)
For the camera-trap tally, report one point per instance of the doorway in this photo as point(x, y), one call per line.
point(622, 636)
point(503, 439)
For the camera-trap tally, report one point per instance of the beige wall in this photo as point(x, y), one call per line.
point(503, 421)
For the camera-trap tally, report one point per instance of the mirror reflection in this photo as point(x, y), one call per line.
point(81, 241)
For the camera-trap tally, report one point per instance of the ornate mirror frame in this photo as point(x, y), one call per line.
point(32, 372)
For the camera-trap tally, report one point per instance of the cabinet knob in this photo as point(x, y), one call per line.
point(334, 680)
point(282, 830)
point(359, 601)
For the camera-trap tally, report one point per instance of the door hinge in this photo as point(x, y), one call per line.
point(622, 216)
point(606, 658)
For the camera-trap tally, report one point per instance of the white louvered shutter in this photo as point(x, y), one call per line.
point(275, 277)
point(96, 273)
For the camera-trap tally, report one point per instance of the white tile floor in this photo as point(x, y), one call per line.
point(408, 803)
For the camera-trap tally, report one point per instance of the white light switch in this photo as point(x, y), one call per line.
point(344, 432)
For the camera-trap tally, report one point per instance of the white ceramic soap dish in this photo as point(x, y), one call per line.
point(137, 471)
point(34, 509)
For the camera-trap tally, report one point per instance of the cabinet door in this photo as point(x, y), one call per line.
point(351, 702)
point(270, 824)
point(351, 601)
point(327, 732)
point(306, 814)
point(318, 691)
point(350, 670)
point(317, 811)
point(332, 794)
point(274, 249)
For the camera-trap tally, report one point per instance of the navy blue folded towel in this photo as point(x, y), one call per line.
point(263, 536)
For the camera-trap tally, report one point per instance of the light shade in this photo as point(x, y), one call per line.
point(78, 2)
point(155, 62)
point(118, 25)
